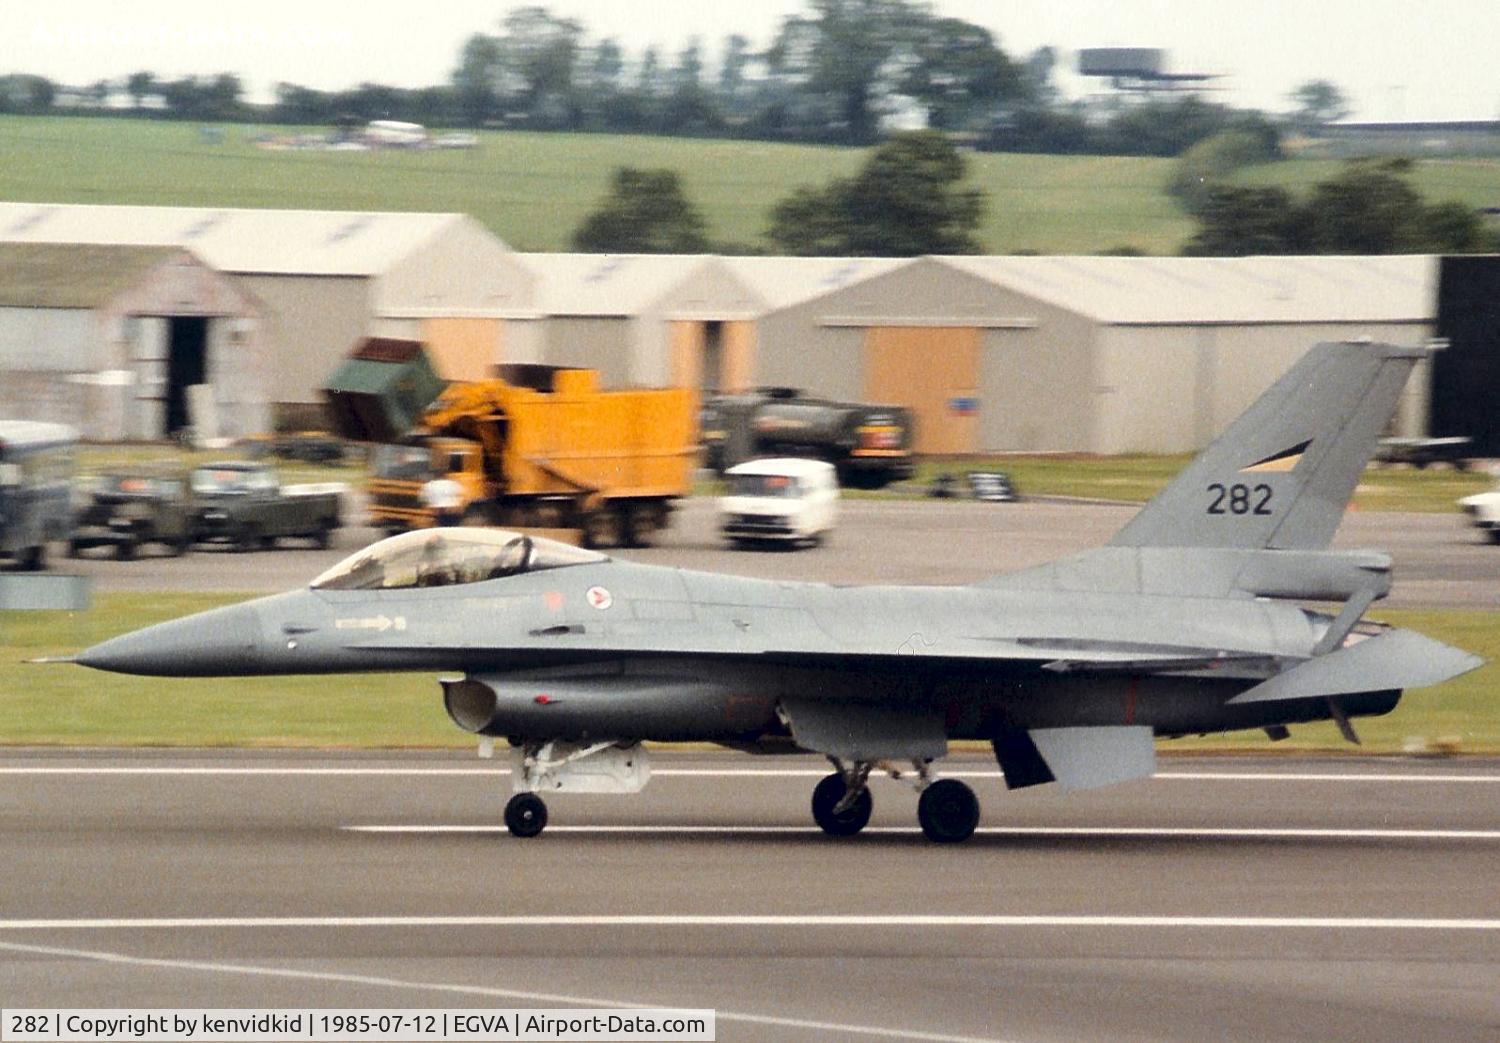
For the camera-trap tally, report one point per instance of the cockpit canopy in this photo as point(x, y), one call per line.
point(444, 557)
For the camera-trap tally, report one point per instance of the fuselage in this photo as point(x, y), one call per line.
point(637, 651)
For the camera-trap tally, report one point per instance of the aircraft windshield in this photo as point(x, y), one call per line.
point(443, 557)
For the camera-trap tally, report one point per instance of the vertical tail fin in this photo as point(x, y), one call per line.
point(1281, 476)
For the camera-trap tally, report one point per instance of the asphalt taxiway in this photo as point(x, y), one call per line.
point(1440, 561)
point(1227, 898)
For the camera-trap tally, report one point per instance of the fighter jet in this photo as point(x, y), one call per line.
point(1187, 622)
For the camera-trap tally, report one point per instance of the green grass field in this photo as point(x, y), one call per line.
point(67, 705)
point(533, 190)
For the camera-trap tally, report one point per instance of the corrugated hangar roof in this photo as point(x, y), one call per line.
point(781, 282)
point(1152, 291)
point(74, 275)
point(278, 242)
point(606, 285)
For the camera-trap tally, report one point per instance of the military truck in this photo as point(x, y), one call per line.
point(132, 508)
point(870, 445)
point(536, 447)
point(242, 503)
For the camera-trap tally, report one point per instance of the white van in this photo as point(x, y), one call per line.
point(781, 499)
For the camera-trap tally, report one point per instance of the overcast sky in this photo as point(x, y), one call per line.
point(1394, 60)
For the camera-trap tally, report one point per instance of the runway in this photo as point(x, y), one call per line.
point(1227, 898)
point(1440, 561)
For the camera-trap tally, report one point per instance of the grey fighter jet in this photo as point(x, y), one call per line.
point(1186, 622)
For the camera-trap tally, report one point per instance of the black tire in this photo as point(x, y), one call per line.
point(525, 815)
point(828, 793)
point(33, 559)
point(248, 539)
point(948, 812)
point(75, 550)
point(638, 524)
point(1493, 535)
point(179, 546)
point(125, 549)
point(323, 538)
point(600, 528)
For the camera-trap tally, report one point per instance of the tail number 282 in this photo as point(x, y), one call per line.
point(1239, 499)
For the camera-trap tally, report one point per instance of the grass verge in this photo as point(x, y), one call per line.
point(68, 705)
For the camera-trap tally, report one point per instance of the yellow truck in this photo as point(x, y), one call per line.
point(538, 447)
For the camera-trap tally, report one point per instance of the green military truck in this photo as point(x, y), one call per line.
point(132, 509)
point(243, 504)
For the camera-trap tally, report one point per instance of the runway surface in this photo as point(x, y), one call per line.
point(1440, 561)
point(1235, 899)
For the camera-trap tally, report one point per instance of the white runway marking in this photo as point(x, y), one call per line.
point(472, 990)
point(1325, 923)
point(732, 773)
point(1019, 831)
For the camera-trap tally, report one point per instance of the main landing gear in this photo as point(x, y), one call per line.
point(947, 809)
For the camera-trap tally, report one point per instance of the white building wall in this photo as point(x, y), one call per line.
point(1173, 389)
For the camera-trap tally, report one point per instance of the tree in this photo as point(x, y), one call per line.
point(1368, 207)
point(1205, 166)
point(1235, 221)
point(906, 200)
point(732, 67)
point(538, 57)
point(842, 51)
point(646, 211)
point(140, 85)
point(1319, 103)
point(958, 72)
point(474, 79)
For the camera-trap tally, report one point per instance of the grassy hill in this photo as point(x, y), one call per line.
point(533, 189)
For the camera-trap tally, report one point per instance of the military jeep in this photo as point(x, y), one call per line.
point(130, 509)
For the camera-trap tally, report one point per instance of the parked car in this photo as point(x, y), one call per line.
point(782, 499)
point(242, 503)
point(132, 508)
point(36, 473)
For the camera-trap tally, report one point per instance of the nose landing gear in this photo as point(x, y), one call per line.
point(525, 815)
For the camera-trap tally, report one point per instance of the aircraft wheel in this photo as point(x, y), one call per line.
point(525, 815)
point(948, 811)
point(828, 793)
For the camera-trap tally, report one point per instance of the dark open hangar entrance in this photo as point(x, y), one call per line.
point(187, 364)
point(1466, 376)
point(170, 354)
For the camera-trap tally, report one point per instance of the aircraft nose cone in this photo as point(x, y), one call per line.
point(219, 642)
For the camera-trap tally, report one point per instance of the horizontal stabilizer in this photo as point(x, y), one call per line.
point(1392, 660)
point(866, 733)
point(1076, 758)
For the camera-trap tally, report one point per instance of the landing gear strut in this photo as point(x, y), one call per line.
point(841, 803)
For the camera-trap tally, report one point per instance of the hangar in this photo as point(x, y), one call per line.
point(1089, 354)
point(682, 320)
point(109, 339)
point(324, 279)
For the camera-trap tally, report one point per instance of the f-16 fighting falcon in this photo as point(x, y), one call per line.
point(1186, 622)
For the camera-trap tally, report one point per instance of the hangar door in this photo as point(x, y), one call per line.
point(712, 356)
point(462, 348)
point(934, 372)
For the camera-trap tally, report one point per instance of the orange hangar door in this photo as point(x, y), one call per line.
point(934, 372)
